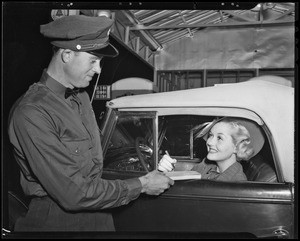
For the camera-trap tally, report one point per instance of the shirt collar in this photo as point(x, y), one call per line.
point(214, 167)
point(53, 84)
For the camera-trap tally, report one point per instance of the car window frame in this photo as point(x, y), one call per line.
point(109, 121)
point(113, 118)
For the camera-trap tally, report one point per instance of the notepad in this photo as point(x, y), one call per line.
point(183, 175)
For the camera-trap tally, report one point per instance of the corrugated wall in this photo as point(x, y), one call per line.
point(228, 48)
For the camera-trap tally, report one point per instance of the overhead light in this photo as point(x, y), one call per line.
point(106, 13)
point(270, 5)
point(257, 8)
point(96, 12)
point(264, 6)
point(159, 49)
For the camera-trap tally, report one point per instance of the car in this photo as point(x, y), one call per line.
point(137, 130)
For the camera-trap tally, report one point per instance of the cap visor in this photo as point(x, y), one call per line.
point(108, 51)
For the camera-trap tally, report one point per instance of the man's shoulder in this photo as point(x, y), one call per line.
point(34, 93)
point(34, 97)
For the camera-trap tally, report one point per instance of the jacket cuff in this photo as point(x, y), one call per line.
point(134, 186)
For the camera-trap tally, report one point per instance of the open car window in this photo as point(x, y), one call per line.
point(137, 143)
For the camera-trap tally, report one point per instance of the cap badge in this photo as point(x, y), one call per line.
point(78, 46)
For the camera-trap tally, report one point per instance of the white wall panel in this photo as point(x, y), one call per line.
point(228, 48)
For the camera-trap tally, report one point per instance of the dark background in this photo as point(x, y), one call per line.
point(25, 54)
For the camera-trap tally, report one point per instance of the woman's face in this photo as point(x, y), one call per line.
point(220, 144)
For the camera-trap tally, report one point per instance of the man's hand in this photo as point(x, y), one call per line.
point(166, 164)
point(155, 183)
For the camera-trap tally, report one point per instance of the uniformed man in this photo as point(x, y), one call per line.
point(56, 139)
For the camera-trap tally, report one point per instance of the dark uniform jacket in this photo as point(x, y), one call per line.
point(59, 152)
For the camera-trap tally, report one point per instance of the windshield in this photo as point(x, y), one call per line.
point(131, 144)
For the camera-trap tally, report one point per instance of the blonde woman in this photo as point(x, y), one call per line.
point(228, 141)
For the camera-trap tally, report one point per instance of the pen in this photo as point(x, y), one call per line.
point(167, 153)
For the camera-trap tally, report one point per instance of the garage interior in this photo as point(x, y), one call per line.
point(173, 45)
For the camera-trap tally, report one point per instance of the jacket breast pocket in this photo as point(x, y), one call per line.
point(81, 153)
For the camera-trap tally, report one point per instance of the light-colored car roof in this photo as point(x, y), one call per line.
point(271, 103)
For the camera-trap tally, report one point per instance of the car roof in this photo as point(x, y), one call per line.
point(272, 103)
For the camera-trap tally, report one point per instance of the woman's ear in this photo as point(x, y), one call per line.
point(66, 55)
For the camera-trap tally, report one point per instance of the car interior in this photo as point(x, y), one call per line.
point(260, 168)
point(131, 147)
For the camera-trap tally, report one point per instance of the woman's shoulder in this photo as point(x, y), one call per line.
point(205, 163)
point(234, 173)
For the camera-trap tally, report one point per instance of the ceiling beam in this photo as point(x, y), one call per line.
point(284, 14)
point(233, 24)
point(154, 45)
point(183, 19)
point(238, 16)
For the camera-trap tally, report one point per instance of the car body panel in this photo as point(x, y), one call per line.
point(208, 206)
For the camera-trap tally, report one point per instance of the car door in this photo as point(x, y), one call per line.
point(251, 208)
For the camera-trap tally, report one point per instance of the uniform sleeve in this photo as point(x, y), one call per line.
point(58, 173)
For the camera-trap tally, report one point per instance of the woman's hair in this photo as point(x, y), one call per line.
point(246, 135)
point(241, 138)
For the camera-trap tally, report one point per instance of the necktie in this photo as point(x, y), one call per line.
point(75, 101)
point(70, 91)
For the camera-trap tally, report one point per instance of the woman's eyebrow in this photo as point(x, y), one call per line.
point(218, 133)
